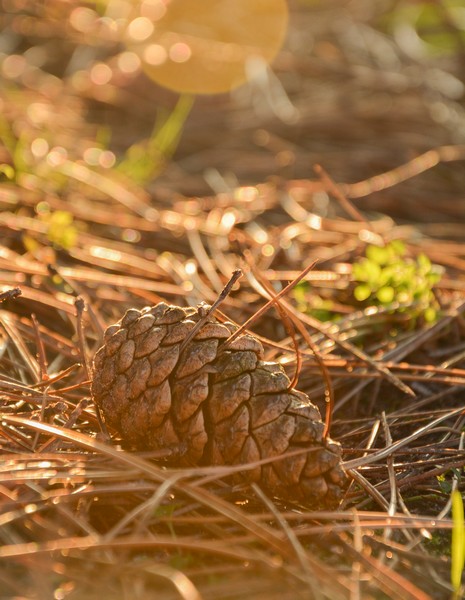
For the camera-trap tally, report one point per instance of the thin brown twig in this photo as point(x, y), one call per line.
point(42, 358)
point(287, 321)
point(80, 307)
point(10, 294)
point(301, 555)
point(261, 311)
point(208, 311)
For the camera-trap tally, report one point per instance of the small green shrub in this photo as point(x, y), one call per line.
point(386, 275)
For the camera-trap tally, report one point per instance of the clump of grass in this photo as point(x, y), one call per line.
point(386, 275)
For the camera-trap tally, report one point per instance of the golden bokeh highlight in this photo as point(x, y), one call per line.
point(206, 46)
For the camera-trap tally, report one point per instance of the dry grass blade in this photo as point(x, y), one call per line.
point(92, 542)
point(389, 450)
point(418, 165)
point(336, 191)
point(352, 349)
point(392, 584)
point(260, 530)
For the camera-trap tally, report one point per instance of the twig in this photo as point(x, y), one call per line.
point(208, 312)
point(261, 311)
point(80, 307)
point(216, 503)
point(42, 362)
point(265, 289)
point(392, 475)
point(10, 294)
point(42, 358)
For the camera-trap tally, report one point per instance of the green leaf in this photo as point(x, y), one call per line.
point(444, 484)
point(358, 271)
point(430, 314)
point(300, 291)
point(362, 292)
point(378, 254)
point(424, 263)
point(385, 294)
point(61, 218)
point(386, 274)
point(398, 247)
point(434, 276)
point(372, 273)
point(403, 297)
point(144, 160)
point(61, 230)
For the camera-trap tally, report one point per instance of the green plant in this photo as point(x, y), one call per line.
point(312, 304)
point(7, 171)
point(144, 160)
point(438, 27)
point(61, 230)
point(386, 275)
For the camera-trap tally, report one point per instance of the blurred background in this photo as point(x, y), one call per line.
point(358, 86)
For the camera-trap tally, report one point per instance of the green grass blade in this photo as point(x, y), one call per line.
point(458, 541)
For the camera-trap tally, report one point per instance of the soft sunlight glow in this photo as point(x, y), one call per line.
point(180, 52)
point(128, 62)
point(39, 147)
point(140, 29)
point(100, 74)
point(155, 55)
point(205, 48)
point(83, 19)
point(153, 9)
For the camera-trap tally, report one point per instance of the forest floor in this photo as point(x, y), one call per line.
point(351, 155)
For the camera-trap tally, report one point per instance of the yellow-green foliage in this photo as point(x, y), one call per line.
point(61, 230)
point(386, 275)
point(144, 160)
point(458, 542)
point(437, 27)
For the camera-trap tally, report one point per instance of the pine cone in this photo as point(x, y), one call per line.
point(222, 401)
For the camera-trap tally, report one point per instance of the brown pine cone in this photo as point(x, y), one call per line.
point(222, 401)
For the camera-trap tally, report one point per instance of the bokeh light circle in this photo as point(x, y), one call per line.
point(206, 46)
